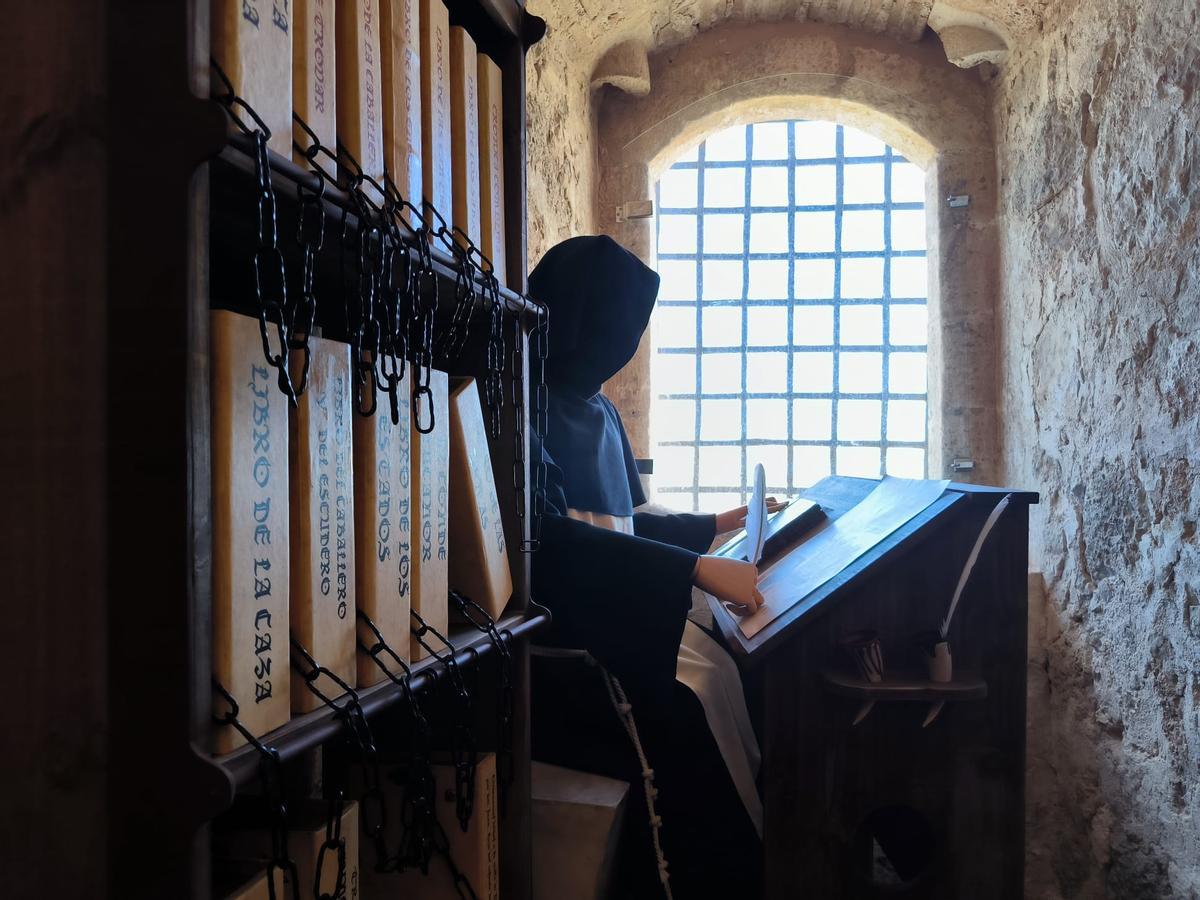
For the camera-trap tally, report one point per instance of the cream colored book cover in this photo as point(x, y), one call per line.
point(307, 827)
point(478, 551)
point(359, 86)
point(383, 529)
point(431, 512)
point(464, 132)
point(252, 43)
point(476, 852)
point(250, 560)
point(491, 164)
point(322, 507)
point(436, 151)
point(400, 33)
point(314, 66)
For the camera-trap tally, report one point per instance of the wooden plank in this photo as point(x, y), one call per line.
point(904, 686)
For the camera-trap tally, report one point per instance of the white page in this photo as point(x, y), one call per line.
point(830, 549)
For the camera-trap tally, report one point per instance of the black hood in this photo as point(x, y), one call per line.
point(600, 297)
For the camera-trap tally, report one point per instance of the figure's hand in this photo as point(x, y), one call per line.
point(733, 519)
point(732, 581)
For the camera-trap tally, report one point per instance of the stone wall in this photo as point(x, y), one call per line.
point(906, 94)
point(561, 142)
point(1098, 155)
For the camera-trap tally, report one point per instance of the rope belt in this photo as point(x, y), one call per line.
point(624, 711)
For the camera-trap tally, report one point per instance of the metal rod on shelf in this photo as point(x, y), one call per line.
point(307, 731)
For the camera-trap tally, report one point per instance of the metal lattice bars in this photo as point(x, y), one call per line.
point(796, 359)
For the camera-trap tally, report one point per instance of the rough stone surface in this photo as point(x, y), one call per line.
point(905, 93)
point(1096, 124)
point(561, 145)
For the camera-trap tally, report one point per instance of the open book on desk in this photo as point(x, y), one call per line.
point(784, 528)
point(808, 562)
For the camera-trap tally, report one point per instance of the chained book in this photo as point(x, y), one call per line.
point(360, 89)
point(491, 163)
point(383, 527)
point(436, 152)
point(464, 132)
point(400, 42)
point(322, 521)
point(478, 551)
point(252, 43)
point(431, 508)
point(314, 95)
point(250, 540)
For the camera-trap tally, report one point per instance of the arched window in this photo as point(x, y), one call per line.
point(791, 322)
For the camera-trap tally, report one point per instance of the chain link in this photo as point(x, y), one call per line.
point(270, 771)
point(478, 617)
point(270, 272)
point(463, 750)
point(310, 235)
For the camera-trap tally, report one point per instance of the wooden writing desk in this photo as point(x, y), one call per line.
point(947, 799)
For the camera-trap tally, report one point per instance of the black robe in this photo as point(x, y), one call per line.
point(624, 598)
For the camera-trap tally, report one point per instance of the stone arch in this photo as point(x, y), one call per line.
point(905, 94)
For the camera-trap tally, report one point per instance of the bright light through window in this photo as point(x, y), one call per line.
point(791, 322)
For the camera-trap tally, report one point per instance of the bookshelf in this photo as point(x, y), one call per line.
point(171, 170)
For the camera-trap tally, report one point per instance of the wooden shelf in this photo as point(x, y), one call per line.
point(904, 686)
point(306, 731)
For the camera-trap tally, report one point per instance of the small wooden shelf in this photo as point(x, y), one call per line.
point(904, 686)
point(306, 731)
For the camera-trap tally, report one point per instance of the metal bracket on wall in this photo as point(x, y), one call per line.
point(958, 201)
point(635, 209)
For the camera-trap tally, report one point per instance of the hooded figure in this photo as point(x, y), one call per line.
point(619, 584)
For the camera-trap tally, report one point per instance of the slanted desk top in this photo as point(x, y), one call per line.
point(827, 781)
point(836, 495)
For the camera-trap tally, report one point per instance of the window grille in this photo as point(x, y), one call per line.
point(791, 322)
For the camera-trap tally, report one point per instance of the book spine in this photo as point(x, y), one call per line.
point(322, 508)
point(252, 43)
point(491, 164)
point(250, 556)
point(436, 142)
point(400, 31)
point(464, 132)
point(383, 530)
point(314, 66)
point(479, 566)
point(431, 512)
point(359, 88)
